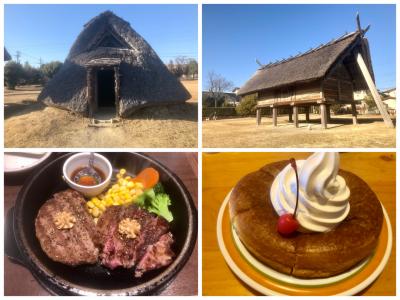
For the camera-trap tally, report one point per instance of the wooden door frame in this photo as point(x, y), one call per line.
point(91, 82)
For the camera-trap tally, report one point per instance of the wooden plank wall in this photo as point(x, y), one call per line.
point(338, 86)
point(303, 92)
point(308, 91)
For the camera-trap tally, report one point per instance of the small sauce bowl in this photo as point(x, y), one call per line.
point(80, 160)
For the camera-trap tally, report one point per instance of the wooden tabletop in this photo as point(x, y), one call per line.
point(184, 165)
point(221, 171)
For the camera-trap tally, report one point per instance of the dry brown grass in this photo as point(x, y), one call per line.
point(243, 133)
point(30, 124)
point(191, 86)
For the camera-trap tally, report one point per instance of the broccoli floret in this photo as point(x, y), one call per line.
point(158, 188)
point(145, 198)
point(159, 206)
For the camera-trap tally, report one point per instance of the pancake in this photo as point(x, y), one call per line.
point(304, 255)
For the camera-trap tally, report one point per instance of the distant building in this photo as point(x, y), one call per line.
point(389, 98)
point(391, 93)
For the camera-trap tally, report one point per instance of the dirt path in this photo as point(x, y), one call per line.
point(243, 133)
point(31, 124)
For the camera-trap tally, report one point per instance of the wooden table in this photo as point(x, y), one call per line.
point(182, 164)
point(221, 171)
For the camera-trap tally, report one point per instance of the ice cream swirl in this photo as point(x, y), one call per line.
point(323, 194)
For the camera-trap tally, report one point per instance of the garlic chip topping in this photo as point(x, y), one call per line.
point(64, 220)
point(129, 228)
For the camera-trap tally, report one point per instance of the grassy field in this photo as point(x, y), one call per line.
point(30, 124)
point(341, 133)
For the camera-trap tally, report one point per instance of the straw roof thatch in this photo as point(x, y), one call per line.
point(7, 55)
point(109, 40)
point(311, 65)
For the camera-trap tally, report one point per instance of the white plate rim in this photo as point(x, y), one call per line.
point(35, 164)
point(267, 291)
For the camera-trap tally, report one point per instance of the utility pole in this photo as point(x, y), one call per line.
point(40, 62)
point(18, 55)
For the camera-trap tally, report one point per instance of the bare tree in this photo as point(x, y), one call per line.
point(171, 66)
point(217, 85)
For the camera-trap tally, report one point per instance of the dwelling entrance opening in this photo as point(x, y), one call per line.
point(105, 89)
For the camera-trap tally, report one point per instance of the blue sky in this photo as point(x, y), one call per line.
point(235, 35)
point(48, 31)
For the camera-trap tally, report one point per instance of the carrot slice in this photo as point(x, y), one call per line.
point(148, 177)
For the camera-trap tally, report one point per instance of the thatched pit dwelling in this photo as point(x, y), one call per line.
point(112, 66)
point(7, 55)
point(326, 75)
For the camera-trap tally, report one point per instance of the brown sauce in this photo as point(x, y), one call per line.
point(83, 176)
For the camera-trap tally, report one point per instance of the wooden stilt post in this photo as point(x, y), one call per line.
point(275, 116)
point(354, 113)
point(307, 114)
point(296, 116)
point(290, 115)
point(258, 116)
point(323, 115)
point(374, 91)
point(328, 113)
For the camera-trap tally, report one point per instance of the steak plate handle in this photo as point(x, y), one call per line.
point(10, 244)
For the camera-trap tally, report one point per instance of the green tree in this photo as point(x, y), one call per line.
point(337, 109)
point(32, 75)
point(369, 100)
point(192, 68)
point(247, 106)
point(50, 69)
point(13, 74)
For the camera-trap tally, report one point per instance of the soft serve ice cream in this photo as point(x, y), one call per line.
point(323, 194)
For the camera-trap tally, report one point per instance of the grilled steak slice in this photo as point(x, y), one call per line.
point(73, 246)
point(121, 251)
point(157, 255)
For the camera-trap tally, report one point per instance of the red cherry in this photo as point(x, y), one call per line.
point(287, 224)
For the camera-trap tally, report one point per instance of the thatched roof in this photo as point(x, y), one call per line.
point(7, 55)
point(109, 40)
point(311, 65)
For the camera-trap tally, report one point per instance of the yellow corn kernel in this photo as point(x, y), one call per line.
point(139, 192)
point(90, 204)
point(130, 184)
point(95, 220)
point(96, 212)
point(139, 185)
point(122, 171)
point(102, 207)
